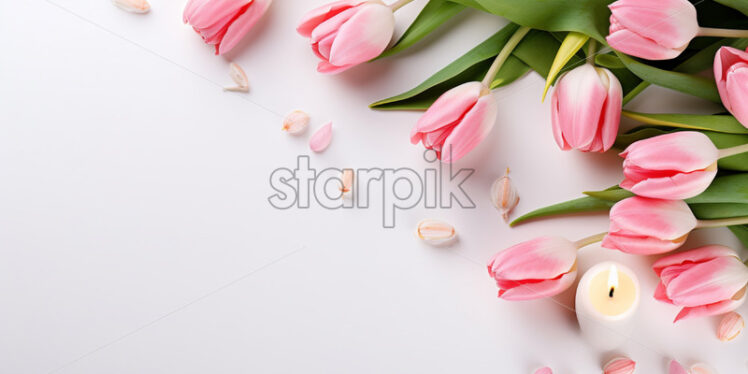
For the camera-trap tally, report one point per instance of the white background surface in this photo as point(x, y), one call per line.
point(136, 236)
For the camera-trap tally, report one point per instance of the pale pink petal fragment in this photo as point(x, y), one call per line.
point(730, 326)
point(701, 368)
point(620, 365)
point(544, 370)
point(676, 368)
point(435, 232)
point(321, 138)
point(133, 6)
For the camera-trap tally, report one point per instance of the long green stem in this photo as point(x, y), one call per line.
point(399, 4)
point(590, 240)
point(591, 48)
point(503, 55)
point(735, 221)
point(725, 33)
point(732, 151)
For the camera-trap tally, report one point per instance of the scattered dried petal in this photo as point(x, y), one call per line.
point(730, 326)
point(620, 365)
point(133, 6)
point(347, 178)
point(545, 370)
point(321, 138)
point(239, 77)
point(702, 369)
point(504, 195)
point(296, 122)
point(676, 368)
point(435, 232)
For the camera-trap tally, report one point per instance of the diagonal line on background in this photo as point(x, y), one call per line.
point(160, 56)
point(176, 310)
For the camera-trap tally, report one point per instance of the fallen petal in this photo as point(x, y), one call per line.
point(620, 365)
point(347, 179)
point(545, 370)
point(730, 327)
point(702, 369)
point(133, 6)
point(239, 77)
point(504, 195)
point(676, 368)
point(296, 122)
point(435, 232)
point(321, 138)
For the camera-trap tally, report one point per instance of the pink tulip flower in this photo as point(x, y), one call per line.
point(223, 23)
point(654, 30)
point(731, 73)
point(706, 281)
point(538, 268)
point(644, 226)
point(586, 109)
point(457, 122)
point(673, 166)
point(349, 32)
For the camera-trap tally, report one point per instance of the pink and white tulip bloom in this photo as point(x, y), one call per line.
point(223, 23)
point(706, 281)
point(673, 166)
point(457, 121)
point(643, 226)
point(731, 74)
point(538, 268)
point(586, 109)
point(654, 30)
point(347, 33)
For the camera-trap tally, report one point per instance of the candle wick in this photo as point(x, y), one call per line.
point(612, 289)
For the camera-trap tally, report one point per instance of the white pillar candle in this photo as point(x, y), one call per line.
point(606, 302)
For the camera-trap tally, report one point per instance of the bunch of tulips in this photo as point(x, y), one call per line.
point(586, 108)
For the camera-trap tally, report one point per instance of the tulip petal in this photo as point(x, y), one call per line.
point(316, 16)
point(676, 187)
point(556, 122)
point(661, 294)
point(670, 23)
point(676, 368)
point(243, 24)
point(544, 370)
point(695, 256)
point(708, 282)
point(634, 44)
point(611, 114)
point(449, 107)
point(662, 219)
point(321, 138)
point(737, 90)
point(640, 245)
point(471, 130)
point(332, 25)
point(536, 290)
point(540, 258)
point(683, 151)
point(364, 36)
point(192, 7)
point(718, 308)
point(217, 12)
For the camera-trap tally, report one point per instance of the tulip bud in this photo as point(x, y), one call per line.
point(457, 121)
point(534, 269)
point(620, 365)
point(639, 225)
point(707, 281)
point(347, 33)
point(296, 122)
point(731, 74)
point(586, 109)
point(654, 30)
point(673, 166)
point(730, 327)
point(223, 23)
point(435, 232)
point(504, 195)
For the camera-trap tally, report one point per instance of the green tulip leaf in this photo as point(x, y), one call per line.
point(719, 210)
point(731, 189)
point(718, 123)
point(742, 233)
point(573, 42)
point(472, 66)
point(433, 15)
point(740, 5)
point(609, 61)
point(682, 82)
point(581, 205)
point(613, 195)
